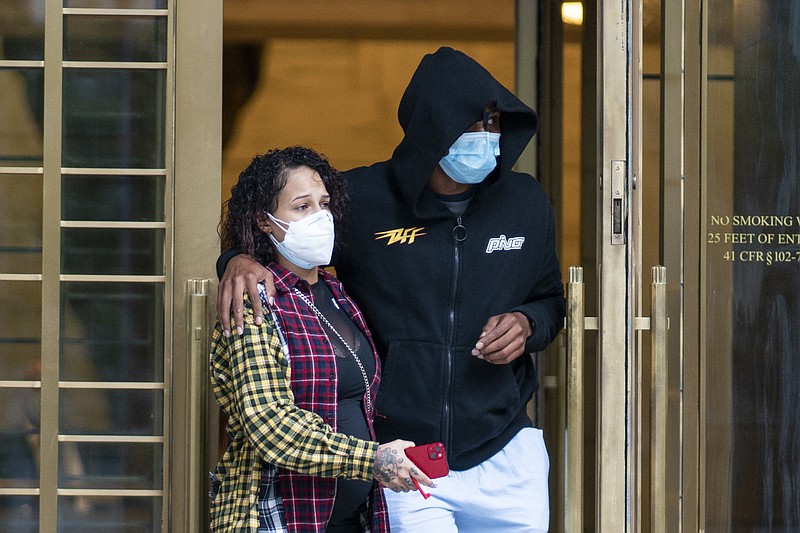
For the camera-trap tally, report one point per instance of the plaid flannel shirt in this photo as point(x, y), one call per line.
point(283, 413)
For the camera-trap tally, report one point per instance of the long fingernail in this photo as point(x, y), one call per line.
point(227, 332)
point(239, 330)
point(258, 320)
point(271, 301)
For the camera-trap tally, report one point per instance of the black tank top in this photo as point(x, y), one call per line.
point(350, 493)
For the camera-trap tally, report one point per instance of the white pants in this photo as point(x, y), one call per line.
point(507, 492)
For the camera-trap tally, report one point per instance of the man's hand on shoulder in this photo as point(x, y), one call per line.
point(242, 274)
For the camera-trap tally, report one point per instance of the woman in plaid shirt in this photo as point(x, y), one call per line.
point(299, 388)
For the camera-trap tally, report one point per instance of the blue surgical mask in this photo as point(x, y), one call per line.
point(472, 157)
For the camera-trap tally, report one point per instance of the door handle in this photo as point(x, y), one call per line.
point(576, 326)
point(659, 324)
point(197, 387)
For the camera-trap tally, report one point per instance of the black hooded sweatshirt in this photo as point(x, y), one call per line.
point(425, 293)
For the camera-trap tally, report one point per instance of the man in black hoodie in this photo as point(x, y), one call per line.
point(451, 256)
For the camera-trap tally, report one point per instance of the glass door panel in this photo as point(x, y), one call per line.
point(21, 222)
point(21, 110)
point(114, 117)
point(21, 235)
point(750, 232)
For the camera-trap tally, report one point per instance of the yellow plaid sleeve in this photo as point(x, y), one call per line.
point(282, 433)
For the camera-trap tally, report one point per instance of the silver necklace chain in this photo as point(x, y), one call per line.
point(349, 349)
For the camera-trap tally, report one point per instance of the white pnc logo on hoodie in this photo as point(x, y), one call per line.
point(504, 243)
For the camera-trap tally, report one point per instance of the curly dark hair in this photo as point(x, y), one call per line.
point(256, 193)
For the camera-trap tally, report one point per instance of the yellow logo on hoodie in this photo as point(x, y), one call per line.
point(401, 235)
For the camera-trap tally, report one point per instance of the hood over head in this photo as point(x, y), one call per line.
point(446, 95)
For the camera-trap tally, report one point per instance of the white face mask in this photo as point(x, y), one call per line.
point(309, 241)
point(472, 157)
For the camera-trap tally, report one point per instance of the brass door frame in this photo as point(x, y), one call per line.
point(619, 148)
point(693, 312)
point(680, 135)
point(197, 167)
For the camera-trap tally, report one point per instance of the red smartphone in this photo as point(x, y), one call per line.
point(431, 459)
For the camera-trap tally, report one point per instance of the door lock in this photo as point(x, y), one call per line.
point(618, 205)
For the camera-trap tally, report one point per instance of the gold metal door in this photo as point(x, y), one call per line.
point(627, 358)
point(694, 117)
point(109, 186)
